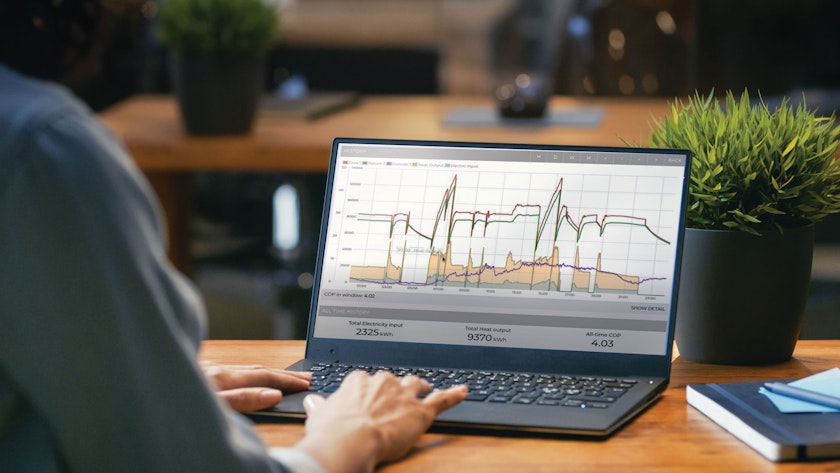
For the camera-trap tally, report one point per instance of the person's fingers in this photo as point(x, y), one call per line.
point(417, 385)
point(312, 402)
point(359, 376)
point(270, 378)
point(212, 365)
point(307, 375)
point(257, 368)
point(446, 398)
point(232, 377)
point(251, 399)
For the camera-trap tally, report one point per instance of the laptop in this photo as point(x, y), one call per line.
point(501, 265)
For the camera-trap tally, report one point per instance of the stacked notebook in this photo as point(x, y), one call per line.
point(778, 427)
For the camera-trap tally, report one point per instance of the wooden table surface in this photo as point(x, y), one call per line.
point(671, 436)
point(150, 127)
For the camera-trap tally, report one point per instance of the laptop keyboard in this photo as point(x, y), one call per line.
point(494, 386)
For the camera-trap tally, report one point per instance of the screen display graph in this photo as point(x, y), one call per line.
point(545, 237)
point(502, 237)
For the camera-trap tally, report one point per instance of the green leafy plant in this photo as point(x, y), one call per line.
point(217, 27)
point(754, 170)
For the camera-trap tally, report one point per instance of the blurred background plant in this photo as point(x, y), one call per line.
point(217, 27)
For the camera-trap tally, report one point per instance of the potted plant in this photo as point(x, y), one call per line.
point(760, 180)
point(218, 54)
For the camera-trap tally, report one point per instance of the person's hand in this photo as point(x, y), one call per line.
point(248, 388)
point(371, 419)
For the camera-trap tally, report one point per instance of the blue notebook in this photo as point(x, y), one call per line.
point(751, 416)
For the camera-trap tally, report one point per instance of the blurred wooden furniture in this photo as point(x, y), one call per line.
point(149, 126)
point(670, 436)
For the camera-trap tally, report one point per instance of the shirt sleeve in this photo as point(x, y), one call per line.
point(98, 332)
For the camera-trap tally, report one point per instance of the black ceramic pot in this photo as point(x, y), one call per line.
point(218, 95)
point(742, 297)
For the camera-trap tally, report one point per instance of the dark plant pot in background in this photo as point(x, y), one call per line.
point(218, 95)
point(742, 297)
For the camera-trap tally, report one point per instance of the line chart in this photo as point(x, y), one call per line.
point(551, 239)
point(519, 210)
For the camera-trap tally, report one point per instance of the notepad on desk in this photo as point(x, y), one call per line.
point(310, 106)
point(779, 427)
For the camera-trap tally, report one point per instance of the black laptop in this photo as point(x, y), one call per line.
point(544, 277)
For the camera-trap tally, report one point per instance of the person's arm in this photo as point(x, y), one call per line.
point(98, 331)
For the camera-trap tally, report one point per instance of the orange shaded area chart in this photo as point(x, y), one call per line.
point(540, 272)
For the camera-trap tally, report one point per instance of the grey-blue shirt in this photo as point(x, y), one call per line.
point(98, 332)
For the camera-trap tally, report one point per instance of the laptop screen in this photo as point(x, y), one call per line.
point(536, 247)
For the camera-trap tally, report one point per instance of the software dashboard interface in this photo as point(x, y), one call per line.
point(524, 248)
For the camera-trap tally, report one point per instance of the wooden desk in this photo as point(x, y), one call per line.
point(150, 128)
point(671, 436)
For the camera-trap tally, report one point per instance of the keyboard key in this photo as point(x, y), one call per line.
point(524, 400)
point(476, 397)
point(499, 398)
point(596, 405)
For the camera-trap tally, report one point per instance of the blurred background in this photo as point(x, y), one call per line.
point(255, 235)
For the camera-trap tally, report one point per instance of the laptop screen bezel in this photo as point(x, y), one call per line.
point(495, 358)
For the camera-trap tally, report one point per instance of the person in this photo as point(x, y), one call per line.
point(99, 334)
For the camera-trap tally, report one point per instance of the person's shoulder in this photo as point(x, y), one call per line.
point(27, 103)
point(42, 122)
